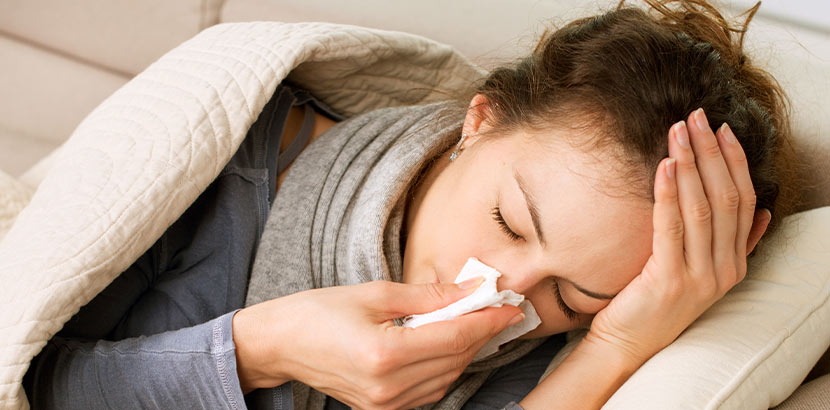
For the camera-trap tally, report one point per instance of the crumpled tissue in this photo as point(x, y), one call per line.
point(486, 295)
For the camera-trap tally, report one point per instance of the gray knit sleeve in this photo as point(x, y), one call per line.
point(194, 367)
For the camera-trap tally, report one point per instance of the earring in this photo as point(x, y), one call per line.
point(458, 148)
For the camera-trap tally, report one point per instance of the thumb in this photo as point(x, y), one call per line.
point(402, 299)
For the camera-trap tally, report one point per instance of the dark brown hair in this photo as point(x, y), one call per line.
point(634, 73)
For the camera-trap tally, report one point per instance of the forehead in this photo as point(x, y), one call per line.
point(590, 224)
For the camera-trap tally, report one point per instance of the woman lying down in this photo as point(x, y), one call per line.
point(617, 178)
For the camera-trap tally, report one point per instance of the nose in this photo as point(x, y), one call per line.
point(520, 279)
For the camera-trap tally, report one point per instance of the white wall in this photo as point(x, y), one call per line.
point(812, 14)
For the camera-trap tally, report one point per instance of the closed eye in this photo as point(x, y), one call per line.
point(497, 216)
point(571, 314)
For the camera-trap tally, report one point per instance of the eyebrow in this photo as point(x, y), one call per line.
point(531, 207)
point(592, 294)
point(537, 226)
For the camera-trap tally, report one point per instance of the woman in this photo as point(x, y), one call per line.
point(558, 178)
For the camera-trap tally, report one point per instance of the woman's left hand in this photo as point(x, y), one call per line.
point(705, 225)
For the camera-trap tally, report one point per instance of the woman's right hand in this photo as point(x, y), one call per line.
point(343, 342)
point(705, 225)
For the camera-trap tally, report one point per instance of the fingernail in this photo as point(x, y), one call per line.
point(727, 133)
point(767, 211)
point(681, 134)
point(700, 119)
point(471, 283)
point(670, 167)
point(516, 319)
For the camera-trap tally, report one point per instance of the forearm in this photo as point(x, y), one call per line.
point(586, 379)
point(187, 368)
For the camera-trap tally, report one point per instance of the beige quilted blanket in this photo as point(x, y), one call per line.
point(137, 162)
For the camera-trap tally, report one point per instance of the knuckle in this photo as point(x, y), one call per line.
point(380, 394)
point(741, 271)
point(675, 230)
point(740, 158)
point(378, 291)
point(458, 342)
point(711, 150)
point(377, 359)
point(434, 397)
point(454, 375)
point(701, 212)
point(730, 198)
point(707, 288)
point(667, 194)
point(434, 291)
point(731, 273)
point(751, 201)
point(459, 363)
point(686, 164)
point(673, 289)
point(447, 379)
point(742, 266)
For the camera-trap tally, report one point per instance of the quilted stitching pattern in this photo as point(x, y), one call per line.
point(14, 198)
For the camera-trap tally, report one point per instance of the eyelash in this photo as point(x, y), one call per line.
point(496, 212)
point(569, 313)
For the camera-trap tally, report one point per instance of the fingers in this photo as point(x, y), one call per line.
point(716, 197)
point(694, 206)
point(395, 300)
point(419, 362)
point(759, 226)
point(739, 171)
point(668, 224)
point(723, 197)
point(452, 337)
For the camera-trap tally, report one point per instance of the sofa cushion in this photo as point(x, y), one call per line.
point(800, 60)
point(45, 96)
point(463, 24)
point(123, 35)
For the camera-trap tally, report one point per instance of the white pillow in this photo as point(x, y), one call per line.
point(753, 348)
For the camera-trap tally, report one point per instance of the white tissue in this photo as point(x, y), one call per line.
point(486, 295)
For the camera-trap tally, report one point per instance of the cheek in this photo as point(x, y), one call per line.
point(464, 229)
point(460, 237)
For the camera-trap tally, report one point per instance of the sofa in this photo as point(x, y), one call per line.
point(62, 59)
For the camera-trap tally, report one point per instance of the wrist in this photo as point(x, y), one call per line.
point(587, 378)
point(624, 358)
point(256, 358)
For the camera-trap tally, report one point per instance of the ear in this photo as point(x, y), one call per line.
point(477, 120)
point(759, 225)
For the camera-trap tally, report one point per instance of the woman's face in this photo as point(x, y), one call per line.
point(588, 239)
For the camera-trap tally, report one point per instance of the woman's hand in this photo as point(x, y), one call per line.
point(705, 225)
point(342, 341)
